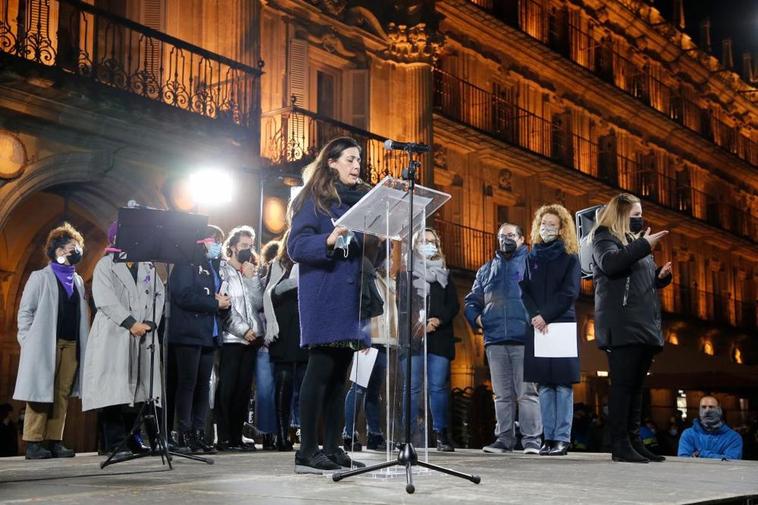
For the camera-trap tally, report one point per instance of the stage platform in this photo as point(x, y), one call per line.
point(267, 478)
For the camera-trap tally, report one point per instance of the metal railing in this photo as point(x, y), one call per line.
point(295, 135)
point(77, 38)
point(503, 120)
point(465, 248)
point(555, 29)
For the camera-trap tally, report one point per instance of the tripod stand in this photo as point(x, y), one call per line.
point(407, 456)
point(134, 246)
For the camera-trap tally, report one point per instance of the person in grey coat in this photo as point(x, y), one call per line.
point(116, 371)
point(53, 323)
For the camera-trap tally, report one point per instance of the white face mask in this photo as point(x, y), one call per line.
point(427, 250)
point(548, 233)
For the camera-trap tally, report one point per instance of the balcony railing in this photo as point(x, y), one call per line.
point(556, 29)
point(78, 39)
point(465, 248)
point(293, 135)
point(503, 120)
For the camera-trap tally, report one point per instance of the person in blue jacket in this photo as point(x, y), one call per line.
point(329, 291)
point(709, 436)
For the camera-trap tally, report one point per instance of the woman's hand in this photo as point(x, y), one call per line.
point(654, 238)
point(250, 335)
point(249, 270)
point(665, 271)
point(432, 324)
point(139, 329)
point(539, 324)
point(336, 233)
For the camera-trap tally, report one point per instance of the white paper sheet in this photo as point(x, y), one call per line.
point(558, 342)
point(363, 364)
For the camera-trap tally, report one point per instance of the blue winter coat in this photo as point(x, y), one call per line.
point(550, 288)
point(496, 296)
point(329, 285)
point(724, 443)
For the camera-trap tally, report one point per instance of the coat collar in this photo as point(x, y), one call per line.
point(125, 276)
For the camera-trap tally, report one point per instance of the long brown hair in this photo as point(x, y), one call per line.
point(567, 233)
point(615, 216)
point(282, 256)
point(320, 179)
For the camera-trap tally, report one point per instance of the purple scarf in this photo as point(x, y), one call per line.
point(65, 274)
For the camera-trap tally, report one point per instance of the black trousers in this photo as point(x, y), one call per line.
point(115, 423)
point(323, 393)
point(193, 374)
point(236, 365)
point(288, 378)
point(628, 367)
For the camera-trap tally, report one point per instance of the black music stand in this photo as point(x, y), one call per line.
point(158, 236)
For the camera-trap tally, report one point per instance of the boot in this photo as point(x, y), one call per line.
point(136, 444)
point(202, 444)
point(352, 444)
point(622, 451)
point(643, 451)
point(375, 442)
point(182, 444)
point(283, 400)
point(35, 450)
point(58, 450)
point(268, 442)
point(547, 446)
point(444, 444)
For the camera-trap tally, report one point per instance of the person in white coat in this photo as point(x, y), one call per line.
point(116, 374)
point(53, 323)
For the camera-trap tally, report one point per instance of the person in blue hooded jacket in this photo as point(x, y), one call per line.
point(494, 305)
point(709, 436)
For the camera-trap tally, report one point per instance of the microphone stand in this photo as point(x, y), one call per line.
point(407, 456)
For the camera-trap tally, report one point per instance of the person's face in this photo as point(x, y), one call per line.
point(348, 166)
point(636, 210)
point(67, 249)
point(245, 242)
point(708, 403)
point(430, 238)
point(509, 231)
point(551, 221)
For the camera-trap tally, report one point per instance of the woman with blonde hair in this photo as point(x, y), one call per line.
point(627, 316)
point(549, 290)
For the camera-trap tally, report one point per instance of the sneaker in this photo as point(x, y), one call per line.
point(344, 460)
point(318, 463)
point(58, 450)
point(35, 450)
point(531, 449)
point(497, 447)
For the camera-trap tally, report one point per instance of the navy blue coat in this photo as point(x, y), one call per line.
point(550, 288)
point(329, 285)
point(496, 296)
point(193, 306)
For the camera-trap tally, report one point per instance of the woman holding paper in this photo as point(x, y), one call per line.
point(549, 291)
point(627, 316)
point(329, 292)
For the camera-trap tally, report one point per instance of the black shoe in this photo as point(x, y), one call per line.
point(268, 442)
point(35, 450)
point(559, 448)
point(58, 450)
point(248, 447)
point(547, 446)
point(282, 443)
point(317, 463)
point(623, 452)
point(183, 444)
point(228, 447)
point(202, 444)
point(643, 451)
point(444, 444)
point(136, 445)
point(342, 459)
point(351, 444)
point(375, 442)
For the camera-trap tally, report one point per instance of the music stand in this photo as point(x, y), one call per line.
point(158, 236)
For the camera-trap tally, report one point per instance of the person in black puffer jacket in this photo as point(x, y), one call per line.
point(627, 316)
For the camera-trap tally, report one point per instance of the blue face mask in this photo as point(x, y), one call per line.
point(214, 251)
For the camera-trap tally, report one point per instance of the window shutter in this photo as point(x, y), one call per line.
point(357, 98)
point(298, 72)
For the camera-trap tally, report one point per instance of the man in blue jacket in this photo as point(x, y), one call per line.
point(494, 305)
point(709, 436)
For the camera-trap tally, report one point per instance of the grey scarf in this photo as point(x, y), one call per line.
point(711, 419)
point(435, 271)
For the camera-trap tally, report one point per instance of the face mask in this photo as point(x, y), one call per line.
point(73, 257)
point(244, 255)
point(214, 251)
point(711, 418)
point(507, 245)
point(427, 250)
point(548, 233)
point(636, 224)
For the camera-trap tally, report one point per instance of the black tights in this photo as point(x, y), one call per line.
point(323, 392)
point(288, 377)
point(628, 367)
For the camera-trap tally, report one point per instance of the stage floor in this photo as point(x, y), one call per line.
point(268, 478)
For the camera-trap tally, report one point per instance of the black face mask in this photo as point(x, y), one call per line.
point(636, 224)
point(75, 257)
point(244, 255)
point(508, 246)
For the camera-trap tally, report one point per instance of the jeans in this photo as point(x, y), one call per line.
point(557, 406)
point(370, 396)
point(265, 404)
point(507, 374)
point(438, 377)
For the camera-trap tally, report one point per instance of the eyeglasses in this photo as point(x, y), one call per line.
point(508, 235)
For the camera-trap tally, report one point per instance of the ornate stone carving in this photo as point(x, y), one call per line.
point(504, 180)
point(440, 156)
point(333, 7)
point(412, 44)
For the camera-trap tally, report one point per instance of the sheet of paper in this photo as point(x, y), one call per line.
point(558, 342)
point(363, 364)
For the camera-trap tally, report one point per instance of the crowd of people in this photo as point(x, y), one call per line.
point(291, 318)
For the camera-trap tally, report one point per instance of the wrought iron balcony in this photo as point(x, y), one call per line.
point(505, 121)
point(294, 136)
point(465, 248)
point(558, 30)
point(78, 39)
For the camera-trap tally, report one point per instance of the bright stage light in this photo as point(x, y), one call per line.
point(211, 187)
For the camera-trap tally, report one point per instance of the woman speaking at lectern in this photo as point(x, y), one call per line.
point(329, 285)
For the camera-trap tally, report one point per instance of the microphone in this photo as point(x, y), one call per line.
point(392, 145)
